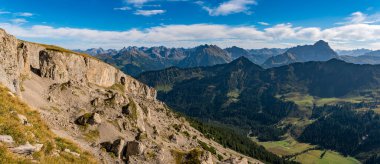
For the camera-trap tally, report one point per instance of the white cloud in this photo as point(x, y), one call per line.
point(137, 3)
point(229, 7)
point(125, 8)
point(149, 12)
point(361, 18)
point(25, 14)
point(357, 17)
point(18, 21)
point(345, 36)
point(263, 23)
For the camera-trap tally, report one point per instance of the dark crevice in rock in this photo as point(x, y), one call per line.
point(35, 70)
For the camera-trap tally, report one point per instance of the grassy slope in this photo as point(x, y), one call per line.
point(38, 133)
point(290, 146)
point(313, 157)
point(307, 101)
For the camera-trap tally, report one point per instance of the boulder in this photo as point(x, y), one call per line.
point(72, 152)
point(23, 120)
point(106, 145)
point(134, 148)
point(27, 149)
point(118, 98)
point(95, 102)
point(142, 135)
point(173, 138)
point(6, 139)
point(95, 119)
point(116, 147)
point(206, 158)
point(89, 118)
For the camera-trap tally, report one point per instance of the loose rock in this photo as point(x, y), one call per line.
point(23, 120)
point(116, 147)
point(134, 148)
point(27, 149)
point(89, 118)
point(6, 139)
point(71, 152)
point(207, 158)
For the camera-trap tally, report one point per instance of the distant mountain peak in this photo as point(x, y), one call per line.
point(205, 55)
point(236, 48)
point(245, 63)
point(242, 59)
point(320, 51)
point(335, 60)
point(207, 46)
point(321, 43)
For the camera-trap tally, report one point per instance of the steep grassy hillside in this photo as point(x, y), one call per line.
point(53, 150)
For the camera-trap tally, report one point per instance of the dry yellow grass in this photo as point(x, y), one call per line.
point(10, 106)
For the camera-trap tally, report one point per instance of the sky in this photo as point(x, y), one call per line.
point(82, 24)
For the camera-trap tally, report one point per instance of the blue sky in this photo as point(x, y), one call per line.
point(83, 24)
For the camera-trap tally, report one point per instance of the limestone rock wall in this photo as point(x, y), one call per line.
point(19, 59)
point(10, 62)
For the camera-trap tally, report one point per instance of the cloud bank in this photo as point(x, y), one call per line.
point(345, 36)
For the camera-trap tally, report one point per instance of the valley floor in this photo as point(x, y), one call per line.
point(305, 153)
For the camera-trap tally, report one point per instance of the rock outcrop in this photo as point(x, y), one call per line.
point(134, 148)
point(19, 59)
point(6, 139)
point(116, 147)
point(89, 118)
point(27, 149)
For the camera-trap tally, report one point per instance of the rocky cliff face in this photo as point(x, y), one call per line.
point(19, 59)
point(105, 112)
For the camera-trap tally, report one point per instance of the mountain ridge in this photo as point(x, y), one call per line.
point(135, 60)
point(244, 95)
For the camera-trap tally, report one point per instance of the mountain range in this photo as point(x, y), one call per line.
point(372, 57)
point(264, 101)
point(135, 60)
point(356, 52)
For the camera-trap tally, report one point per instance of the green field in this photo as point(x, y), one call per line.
point(290, 146)
point(306, 101)
point(285, 147)
point(331, 157)
point(163, 88)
